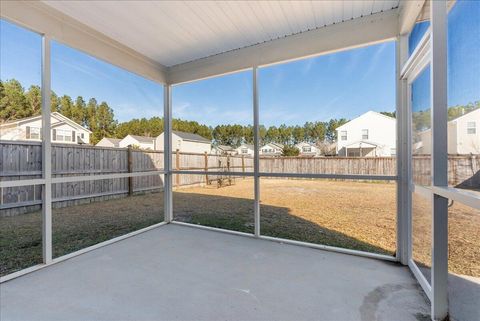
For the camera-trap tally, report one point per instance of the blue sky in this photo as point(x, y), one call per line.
point(344, 84)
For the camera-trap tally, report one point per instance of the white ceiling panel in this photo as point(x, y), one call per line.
point(175, 32)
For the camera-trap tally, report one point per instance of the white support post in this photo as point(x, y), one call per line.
point(438, 14)
point(46, 154)
point(256, 156)
point(167, 152)
point(403, 194)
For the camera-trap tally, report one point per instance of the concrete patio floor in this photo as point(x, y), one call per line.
point(181, 273)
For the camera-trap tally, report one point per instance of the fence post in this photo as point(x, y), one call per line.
point(206, 169)
point(177, 166)
point(243, 165)
point(130, 170)
point(228, 170)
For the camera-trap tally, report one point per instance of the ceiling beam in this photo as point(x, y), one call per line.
point(45, 20)
point(350, 34)
point(409, 12)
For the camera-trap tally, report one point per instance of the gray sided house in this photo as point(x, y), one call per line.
point(185, 142)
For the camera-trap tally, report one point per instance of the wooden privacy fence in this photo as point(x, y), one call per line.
point(23, 160)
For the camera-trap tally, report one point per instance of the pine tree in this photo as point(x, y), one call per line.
point(13, 103)
point(34, 100)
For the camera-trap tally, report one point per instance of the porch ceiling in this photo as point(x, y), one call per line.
point(175, 32)
point(178, 41)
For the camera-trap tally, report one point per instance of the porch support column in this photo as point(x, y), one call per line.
point(46, 154)
point(256, 155)
point(167, 152)
point(403, 159)
point(438, 14)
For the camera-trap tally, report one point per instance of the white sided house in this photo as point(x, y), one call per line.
point(141, 142)
point(186, 143)
point(307, 149)
point(109, 142)
point(369, 135)
point(271, 149)
point(245, 150)
point(463, 136)
point(63, 130)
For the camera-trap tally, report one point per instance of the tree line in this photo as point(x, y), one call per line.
point(17, 103)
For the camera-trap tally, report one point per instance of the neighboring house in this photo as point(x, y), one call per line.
point(245, 149)
point(369, 135)
point(63, 130)
point(186, 142)
point(142, 142)
point(271, 149)
point(307, 149)
point(109, 142)
point(463, 136)
point(223, 150)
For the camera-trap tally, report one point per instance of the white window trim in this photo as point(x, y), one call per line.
point(35, 131)
point(471, 126)
point(363, 133)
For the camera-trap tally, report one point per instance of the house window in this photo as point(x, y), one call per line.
point(64, 135)
point(471, 127)
point(364, 133)
point(244, 151)
point(307, 149)
point(34, 133)
point(343, 135)
point(393, 152)
point(82, 135)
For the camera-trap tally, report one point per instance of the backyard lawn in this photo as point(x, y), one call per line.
point(354, 215)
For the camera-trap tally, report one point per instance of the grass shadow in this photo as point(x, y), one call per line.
point(237, 214)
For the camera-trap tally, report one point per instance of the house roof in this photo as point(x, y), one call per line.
point(249, 146)
point(190, 137)
point(143, 139)
point(55, 115)
point(225, 147)
point(467, 114)
point(277, 145)
point(114, 141)
point(372, 113)
point(361, 143)
point(305, 143)
point(454, 120)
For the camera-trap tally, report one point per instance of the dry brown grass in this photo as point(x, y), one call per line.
point(354, 215)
